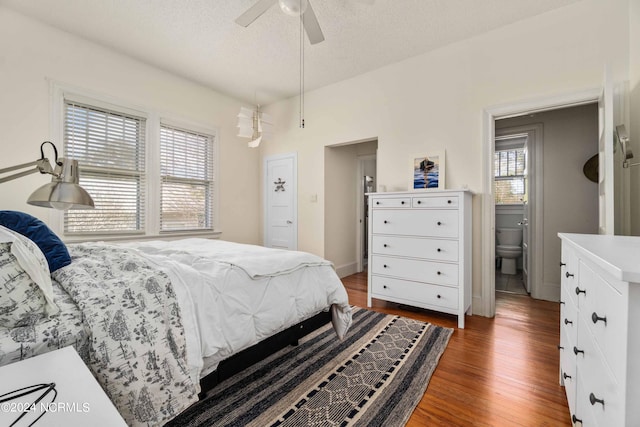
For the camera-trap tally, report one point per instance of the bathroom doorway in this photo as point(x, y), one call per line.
point(515, 161)
point(540, 188)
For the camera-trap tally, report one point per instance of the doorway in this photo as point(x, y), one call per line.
point(517, 174)
point(345, 165)
point(555, 194)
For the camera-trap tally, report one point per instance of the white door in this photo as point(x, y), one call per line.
point(526, 230)
point(605, 158)
point(281, 202)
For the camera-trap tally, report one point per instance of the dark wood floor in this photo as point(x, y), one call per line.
point(495, 372)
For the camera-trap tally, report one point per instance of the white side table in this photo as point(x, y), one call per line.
point(80, 401)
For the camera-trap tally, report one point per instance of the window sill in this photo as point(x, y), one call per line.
point(142, 237)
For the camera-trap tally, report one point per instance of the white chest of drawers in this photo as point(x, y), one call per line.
point(600, 329)
point(421, 250)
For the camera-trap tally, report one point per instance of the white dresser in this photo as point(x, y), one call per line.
point(420, 249)
point(600, 329)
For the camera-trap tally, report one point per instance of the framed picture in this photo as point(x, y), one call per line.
point(428, 171)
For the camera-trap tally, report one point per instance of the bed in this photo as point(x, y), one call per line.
point(156, 321)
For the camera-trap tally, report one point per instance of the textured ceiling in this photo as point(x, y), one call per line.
point(198, 39)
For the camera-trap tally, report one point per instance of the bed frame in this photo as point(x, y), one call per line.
point(261, 350)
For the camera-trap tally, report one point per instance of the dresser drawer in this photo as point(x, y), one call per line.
point(568, 368)
point(595, 377)
point(392, 202)
point(439, 296)
point(569, 272)
point(417, 270)
point(601, 302)
point(568, 318)
point(427, 223)
point(435, 249)
point(435, 202)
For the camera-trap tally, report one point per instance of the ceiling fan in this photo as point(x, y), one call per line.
point(290, 7)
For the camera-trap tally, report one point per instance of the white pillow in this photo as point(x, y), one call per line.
point(33, 262)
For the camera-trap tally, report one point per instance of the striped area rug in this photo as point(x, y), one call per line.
point(375, 377)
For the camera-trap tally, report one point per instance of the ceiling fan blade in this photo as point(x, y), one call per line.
point(254, 12)
point(311, 26)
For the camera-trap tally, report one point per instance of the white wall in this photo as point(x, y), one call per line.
point(435, 102)
point(570, 138)
point(32, 55)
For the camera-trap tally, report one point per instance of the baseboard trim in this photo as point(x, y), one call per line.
point(347, 269)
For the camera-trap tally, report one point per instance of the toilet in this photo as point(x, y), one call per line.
point(509, 248)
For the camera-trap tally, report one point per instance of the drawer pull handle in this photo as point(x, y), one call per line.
point(377, 203)
point(439, 223)
point(439, 250)
point(562, 264)
point(580, 291)
point(595, 318)
point(449, 201)
point(560, 347)
point(565, 376)
point(386, 222)
point(567, 275)
point(568, 322)
point(561, 302)
point(576, 351)
point(593, 399)
point(575, 419)
point(439, 273)
point(384, 245)
point(438, 296)
point(402, 202)
point(384, 286)
point(419, 201)
point(385, 266)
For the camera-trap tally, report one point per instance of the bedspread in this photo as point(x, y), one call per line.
point(137, 343)
point(237, 297)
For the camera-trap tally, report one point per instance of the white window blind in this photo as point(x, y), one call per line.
point(187, 180)
point(509, 184)
point(110, 149)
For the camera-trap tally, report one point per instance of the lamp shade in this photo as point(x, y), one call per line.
point(63, 192)
point(255, 125)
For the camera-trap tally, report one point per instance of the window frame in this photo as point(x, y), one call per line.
point(504, 146)
point(213, 190)
point(154, 118)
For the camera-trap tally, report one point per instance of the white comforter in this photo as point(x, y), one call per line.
point(233, 296)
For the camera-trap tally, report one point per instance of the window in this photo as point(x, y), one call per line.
point(110, 149)
point(186, 169)
point(509, 183)
point(147, 175)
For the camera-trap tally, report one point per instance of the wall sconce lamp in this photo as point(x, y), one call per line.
point(63, 192)
point(623, 139)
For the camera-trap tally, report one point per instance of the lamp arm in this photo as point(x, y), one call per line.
point(41, 165)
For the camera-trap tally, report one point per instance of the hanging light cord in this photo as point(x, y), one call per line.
point(301, 70)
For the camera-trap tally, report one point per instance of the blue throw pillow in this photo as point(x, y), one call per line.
point(37, 231)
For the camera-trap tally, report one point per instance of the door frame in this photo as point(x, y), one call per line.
point(486, 302)
point(360, 208)
point(536, 199)
point(294, 189)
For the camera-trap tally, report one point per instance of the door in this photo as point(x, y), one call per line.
point(605, 158)
point(526, 230)
point(281, 210)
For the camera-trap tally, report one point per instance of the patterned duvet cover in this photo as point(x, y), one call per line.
point(151, 318)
